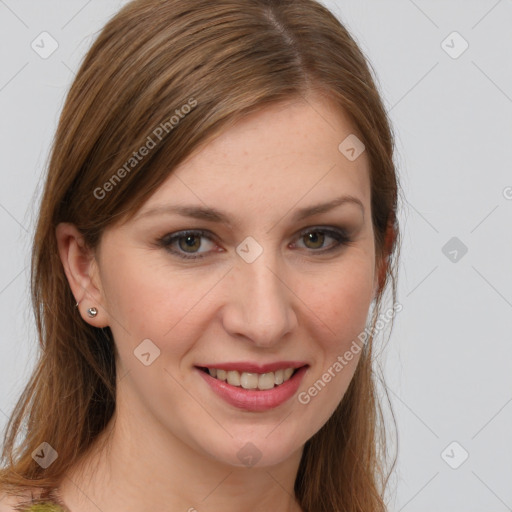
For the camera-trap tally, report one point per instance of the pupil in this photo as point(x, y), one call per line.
point(189, 240)
point(313, 237)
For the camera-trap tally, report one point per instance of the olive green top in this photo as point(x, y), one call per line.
point(44, 507)
point(50, 502)
point(34, 499)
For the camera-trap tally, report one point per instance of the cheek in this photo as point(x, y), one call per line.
point(338, 311)
point(156, 303)
point(339, 300)
point(148, 297)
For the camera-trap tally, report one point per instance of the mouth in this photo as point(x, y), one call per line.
point(252, 380)
point(253, 387)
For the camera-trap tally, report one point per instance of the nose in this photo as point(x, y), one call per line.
point(260, 303)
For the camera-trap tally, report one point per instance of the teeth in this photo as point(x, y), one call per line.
point(266, 380)
point(248, 380)
point(288, 373)
point(234, 378)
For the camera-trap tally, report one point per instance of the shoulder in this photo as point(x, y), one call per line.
point(25, 501)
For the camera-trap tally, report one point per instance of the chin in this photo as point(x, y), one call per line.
point(255, 447)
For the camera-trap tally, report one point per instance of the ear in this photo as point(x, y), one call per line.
point(383, 263)
point(81, 269)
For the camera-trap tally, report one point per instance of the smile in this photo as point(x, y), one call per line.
point(252, 387)
point(252, 380)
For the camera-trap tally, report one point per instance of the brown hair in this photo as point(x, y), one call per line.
point(224, 59)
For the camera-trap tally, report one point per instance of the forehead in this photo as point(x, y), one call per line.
point(284, 155)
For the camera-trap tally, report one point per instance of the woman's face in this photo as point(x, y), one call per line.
point(268, 277)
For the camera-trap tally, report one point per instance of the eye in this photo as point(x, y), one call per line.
point(186, 244)
point(315, 238)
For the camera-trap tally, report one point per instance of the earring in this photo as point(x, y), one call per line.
point(92, 312)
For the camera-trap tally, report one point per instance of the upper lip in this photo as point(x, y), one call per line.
point(247, 366)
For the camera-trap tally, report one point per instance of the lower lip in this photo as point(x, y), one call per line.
point(255, 399)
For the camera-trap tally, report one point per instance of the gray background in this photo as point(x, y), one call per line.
point(448, 362)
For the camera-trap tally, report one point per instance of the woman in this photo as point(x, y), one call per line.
point(218, 221)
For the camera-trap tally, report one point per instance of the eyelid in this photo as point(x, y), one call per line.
point(167, 240)
point(339, 234)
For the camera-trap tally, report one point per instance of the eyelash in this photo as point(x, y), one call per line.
point(339, 235)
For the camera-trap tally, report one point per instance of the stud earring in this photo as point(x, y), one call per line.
point(92, 312)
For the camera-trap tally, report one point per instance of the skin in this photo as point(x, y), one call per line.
point(173, 444)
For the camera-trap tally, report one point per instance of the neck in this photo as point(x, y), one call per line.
point(139, 466)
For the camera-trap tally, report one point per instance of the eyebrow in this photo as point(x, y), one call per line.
point(214, 215)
